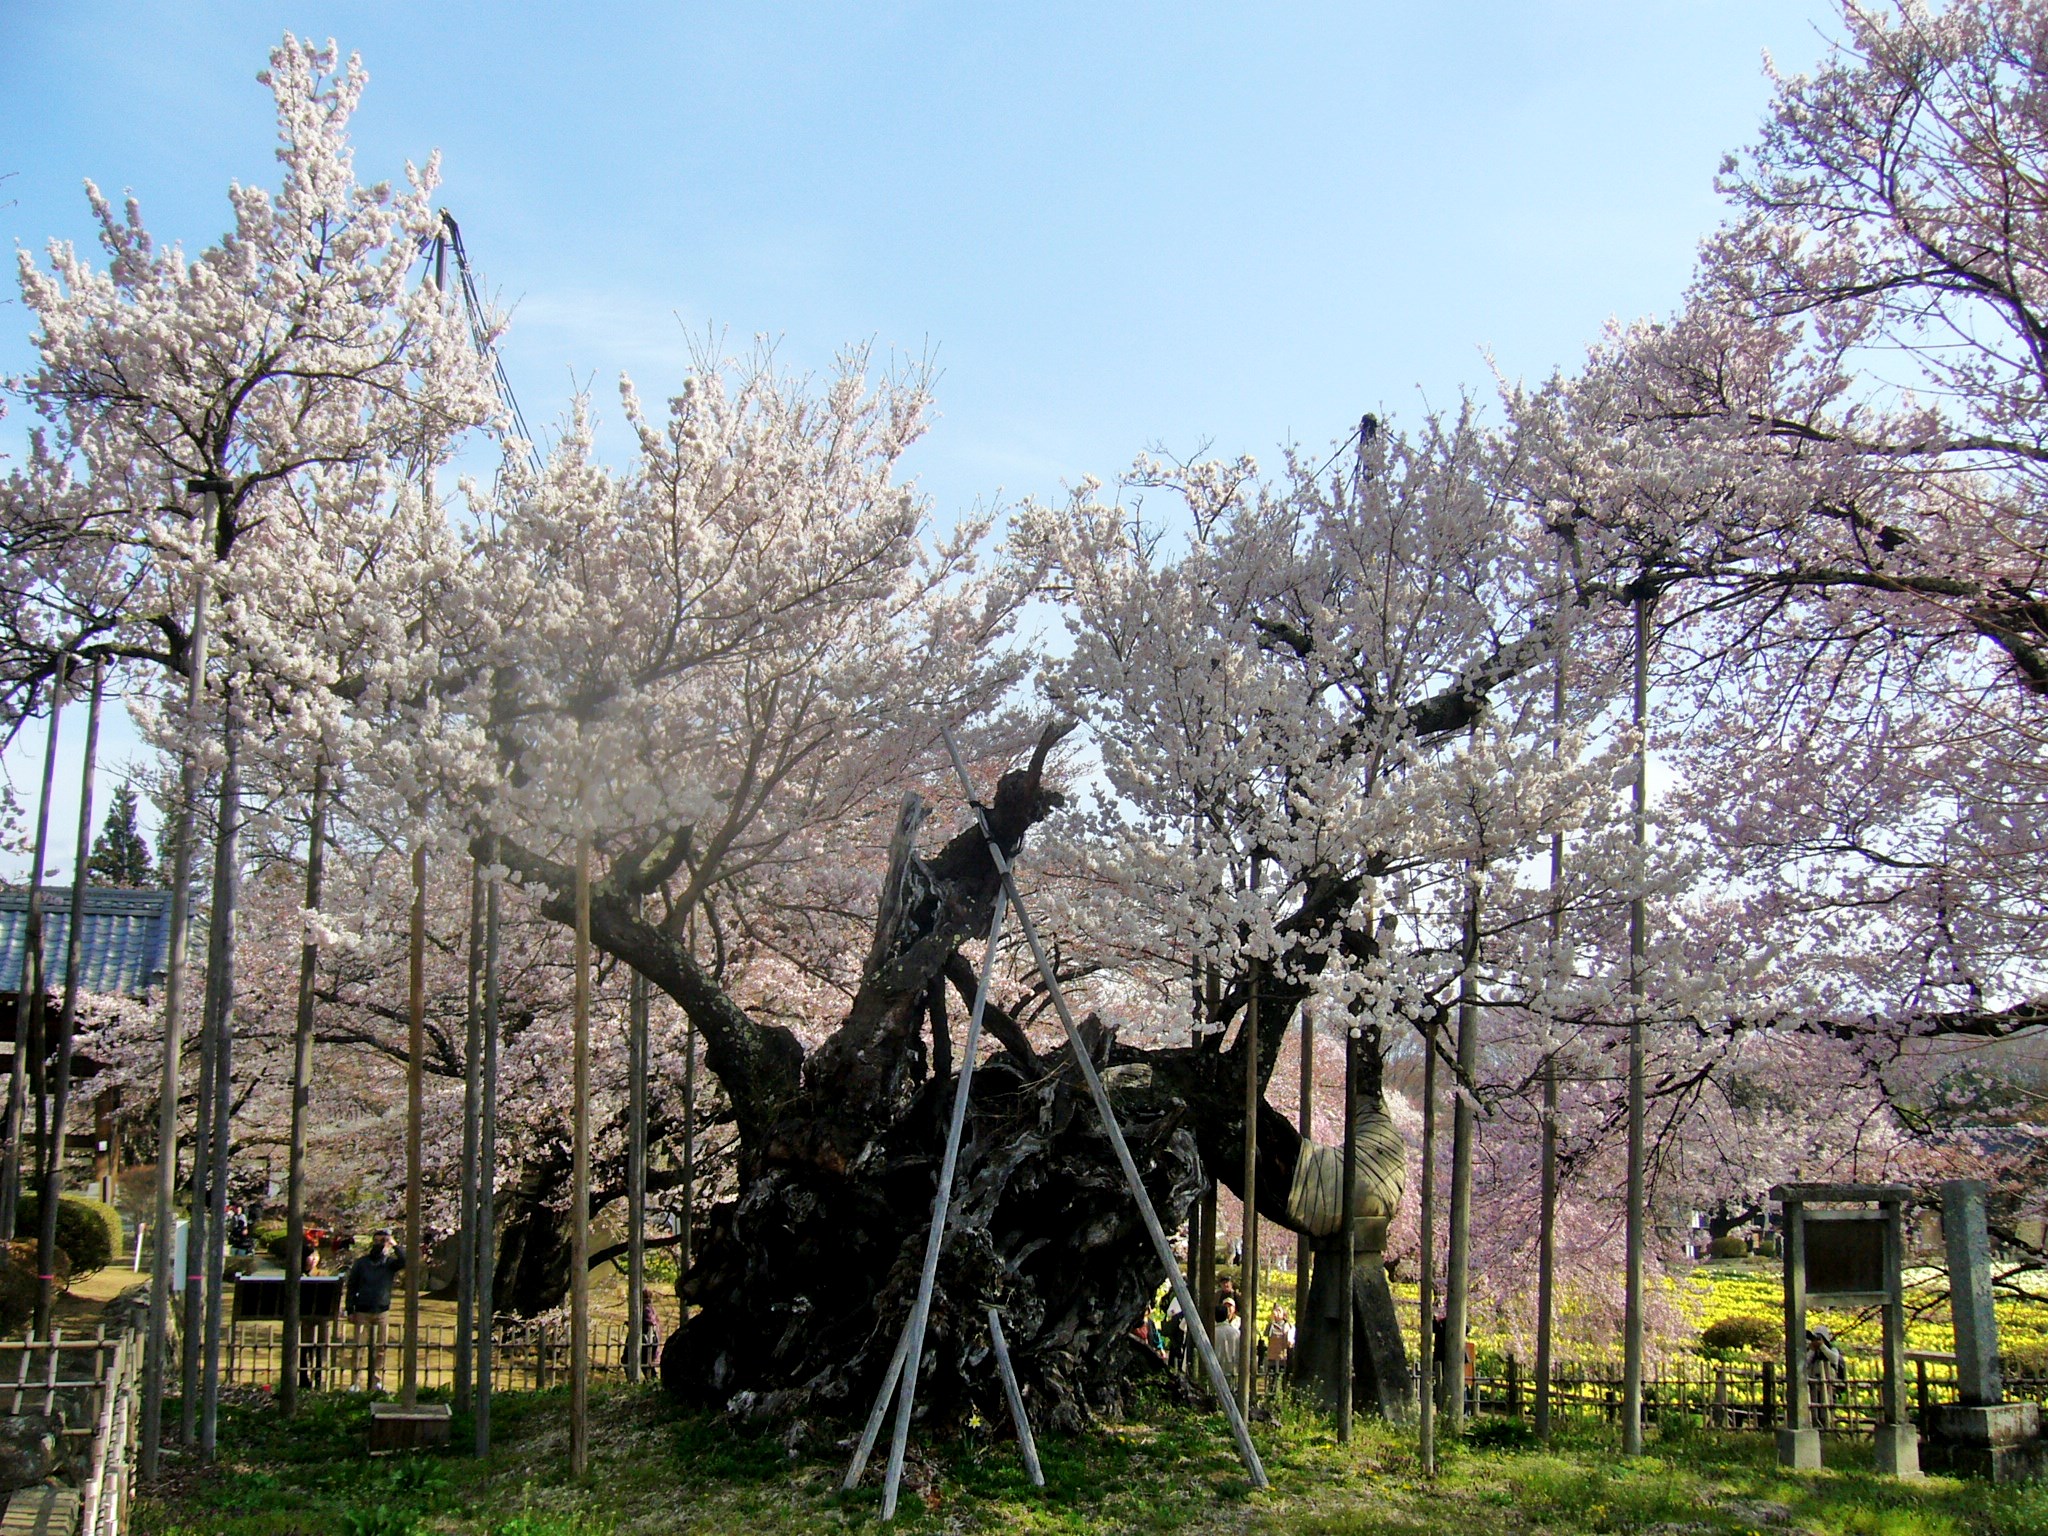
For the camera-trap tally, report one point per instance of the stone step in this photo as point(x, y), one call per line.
point(45, 1510)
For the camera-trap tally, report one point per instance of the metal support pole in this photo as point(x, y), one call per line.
point(1160, 1245)
point(1025, 1442)
point(942, 1201)
point(873, 1429)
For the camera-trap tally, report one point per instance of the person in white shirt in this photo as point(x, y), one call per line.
point(1229, 1337)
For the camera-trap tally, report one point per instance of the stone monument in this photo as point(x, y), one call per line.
point(1981, 1435)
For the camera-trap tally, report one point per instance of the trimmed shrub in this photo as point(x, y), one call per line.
point(116, 1231)
point(82, 1231)
point(1736, 1335)
point(1728, 1247)
point(17, 1285)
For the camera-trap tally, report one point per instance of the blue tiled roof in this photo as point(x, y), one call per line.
point(123, 949)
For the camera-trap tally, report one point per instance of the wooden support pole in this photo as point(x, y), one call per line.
point(487, 1167)
point(1248, 1269)
point(1546, 1220)
point(1426, 1276)
point(1347, 1246)
point(1464, 1131)
point(472, 1091)
point(198, 1201)
point(210, 490)
point(1636, 1233)
point(28, 1017)
point(220, 998)
point(579, 1184)
point(684, 1254)
point(1305, 1115)
point(1202, 1234)
point(67, 1014)
point(415, 1066)
point(302, 1081)
point(636, 1169)
point(1546, 1250)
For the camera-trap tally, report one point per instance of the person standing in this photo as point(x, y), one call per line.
point(650, 1334)
point(368, 1298)
point(1279, 1343)
point(1229, 1337)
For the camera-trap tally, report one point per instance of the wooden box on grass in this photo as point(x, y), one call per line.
point(395, 1427)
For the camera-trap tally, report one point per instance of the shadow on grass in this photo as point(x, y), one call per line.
point(657, 1468)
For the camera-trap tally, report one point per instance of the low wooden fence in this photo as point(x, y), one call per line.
point(65, 1374)
point(90, 1381)
point(1732, 1394)
point(340, 1356)
point(111, 1470)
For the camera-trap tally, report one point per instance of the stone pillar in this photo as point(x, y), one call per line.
point(1969, 1289)
point(1981, 1436)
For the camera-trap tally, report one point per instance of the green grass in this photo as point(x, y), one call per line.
point(655, 1469)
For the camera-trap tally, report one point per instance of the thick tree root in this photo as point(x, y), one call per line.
point(805, 1281)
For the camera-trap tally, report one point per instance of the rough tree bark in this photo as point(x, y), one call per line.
point(805, 1278)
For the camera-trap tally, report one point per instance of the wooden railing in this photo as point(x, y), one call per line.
point(112, 1469)
point(90, 1380)
point(336, 1356)
point(1746, 1393)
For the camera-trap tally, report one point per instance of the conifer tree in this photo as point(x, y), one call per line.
point(121, 855)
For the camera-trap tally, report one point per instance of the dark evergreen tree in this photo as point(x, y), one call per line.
point(121, 855)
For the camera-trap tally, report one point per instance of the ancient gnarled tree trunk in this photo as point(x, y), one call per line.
point(804, 1279)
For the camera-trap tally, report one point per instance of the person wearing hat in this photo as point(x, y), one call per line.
point(368, 1297)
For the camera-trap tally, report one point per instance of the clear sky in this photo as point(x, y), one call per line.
point(1113, 226)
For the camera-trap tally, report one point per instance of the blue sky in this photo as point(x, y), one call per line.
point(1112, 226)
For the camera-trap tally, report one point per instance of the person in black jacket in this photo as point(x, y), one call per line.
point(368, 1299)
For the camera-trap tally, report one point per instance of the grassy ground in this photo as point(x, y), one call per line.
point(657, 1470)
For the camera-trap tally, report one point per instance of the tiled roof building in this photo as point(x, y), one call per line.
point(125, 939)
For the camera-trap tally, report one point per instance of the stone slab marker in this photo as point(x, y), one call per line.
point(1969, 1289)
point(1982, 1435)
